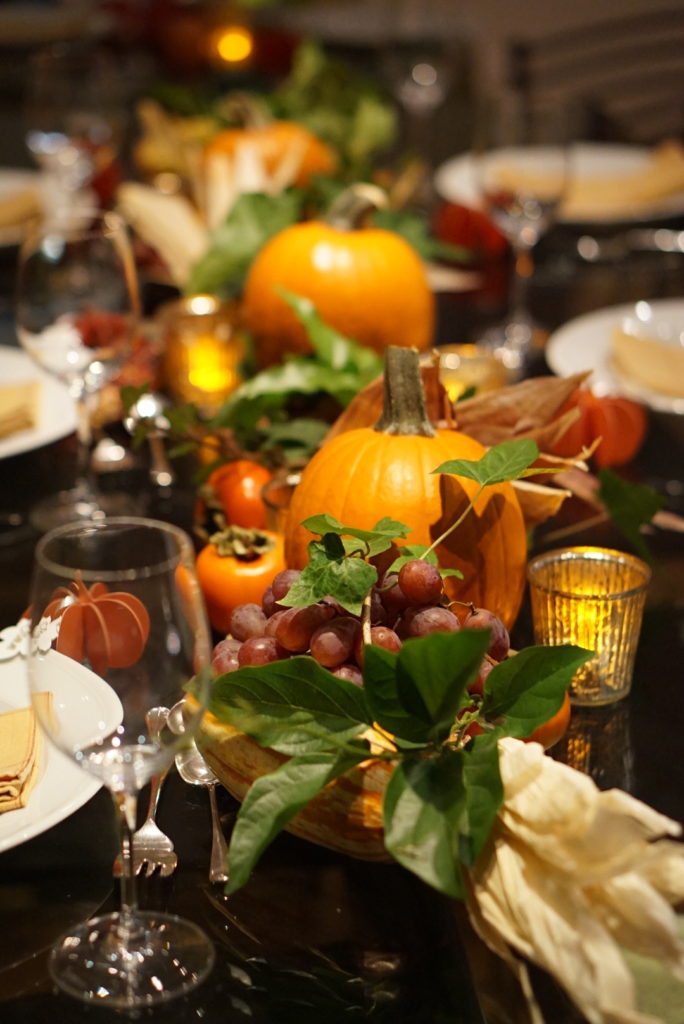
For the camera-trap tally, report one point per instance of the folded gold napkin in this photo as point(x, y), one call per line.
point(18, 406)
point(649, 362)
point(20, 753)
point(596, 196)
point(19, 208)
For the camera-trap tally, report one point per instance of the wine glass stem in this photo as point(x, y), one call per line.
point(84, 433)
point(522, 272)
point(126, 805)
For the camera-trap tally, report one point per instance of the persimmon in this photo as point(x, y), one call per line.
point(236, 489)
point(235, 568)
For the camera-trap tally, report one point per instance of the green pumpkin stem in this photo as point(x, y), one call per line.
point(352, 207)
point(403, 411)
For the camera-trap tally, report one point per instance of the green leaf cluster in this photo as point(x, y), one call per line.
point(445, 789)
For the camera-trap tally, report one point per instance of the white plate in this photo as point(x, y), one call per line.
point(63, 787)
point(585, 344)
point(455, 180)
point(56, 410)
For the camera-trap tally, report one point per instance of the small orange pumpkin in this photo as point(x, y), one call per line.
point(362, 475)
point(619, 422)
point(107, 628)
point(275, 142)
point(366, 282)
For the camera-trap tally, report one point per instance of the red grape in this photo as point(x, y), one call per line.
point(499, 643)
point(381, 636)
point(260, 650)
point(333, 643)
point(224, 657)
point(352, 673)
point(420, 581)
point(268, 601)
point(428, 619)
point(296, 626)
point(247, 620)
point(478, 683)
point(283, 581)
point(393, 597)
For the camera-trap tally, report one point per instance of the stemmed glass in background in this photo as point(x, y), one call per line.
point(521, 164)
point(77, 306)
point(118, 601)
point(74, 118)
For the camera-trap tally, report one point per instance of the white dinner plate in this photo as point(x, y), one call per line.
point(63, 787)
point(56, 410)
point(585, 344)
point(455, 180)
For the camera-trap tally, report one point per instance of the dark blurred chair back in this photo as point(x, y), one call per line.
point(625, 76)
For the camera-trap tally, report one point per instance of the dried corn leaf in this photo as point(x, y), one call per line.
point(571, 875)
point(537, 501)
point(518, 410)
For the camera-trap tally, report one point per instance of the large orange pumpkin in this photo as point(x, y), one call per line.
point(366, 282)
point(276, 142)
point(362, 475)
point(619, 422)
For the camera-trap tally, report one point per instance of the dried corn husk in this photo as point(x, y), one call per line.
point(571, 875)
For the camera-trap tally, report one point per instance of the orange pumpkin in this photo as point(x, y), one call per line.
point(107, 628)
point(276, 142)
point(619, 422)
point(366, 282)
point(362, 475)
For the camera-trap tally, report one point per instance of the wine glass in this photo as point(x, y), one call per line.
point(118, 629)
point(77, 305)
point(520, 162)
point(74, 113)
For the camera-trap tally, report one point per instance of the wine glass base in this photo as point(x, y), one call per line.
point(125, 962)
point(76, 504)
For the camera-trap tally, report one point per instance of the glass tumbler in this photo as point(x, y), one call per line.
point(593, 597)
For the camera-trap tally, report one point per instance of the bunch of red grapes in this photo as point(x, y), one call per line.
point(404, 604)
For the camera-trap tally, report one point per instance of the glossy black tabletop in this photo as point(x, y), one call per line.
point(315, 936)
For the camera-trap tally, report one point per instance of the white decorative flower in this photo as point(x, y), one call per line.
point(45, 633)
point(573, 876)
point(14, 640)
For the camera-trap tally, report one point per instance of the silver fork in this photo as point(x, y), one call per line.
point(152, 848)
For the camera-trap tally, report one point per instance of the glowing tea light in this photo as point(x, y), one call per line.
point(203, 351)
point(233, 44)
point(593, 597)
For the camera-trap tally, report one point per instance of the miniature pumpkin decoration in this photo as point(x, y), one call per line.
point(284, 147)
point(619, 422)
point(367, 473)
point(366, 282)
point(107, 628)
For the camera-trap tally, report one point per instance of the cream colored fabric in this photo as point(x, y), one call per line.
point(18, 406)
point(649, 362)
point(20, 753)
point(20, 208)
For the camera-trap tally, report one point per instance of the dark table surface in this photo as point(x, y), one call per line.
point(316, 936)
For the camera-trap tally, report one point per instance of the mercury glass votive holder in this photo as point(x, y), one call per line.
point(593, 597)
point(204, 349)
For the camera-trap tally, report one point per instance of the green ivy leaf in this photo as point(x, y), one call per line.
point(273, 800)
point(526, 690)
point(293, 706)
point(424, 809)
point(630, 506)
point(506, 461)
point(433, 673)
point(484, 794)
point(375, 541)
point(348, 580)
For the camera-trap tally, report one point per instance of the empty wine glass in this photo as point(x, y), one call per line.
point(118, 628)
point(77, 305)
point(520, 163)
point(74, 116)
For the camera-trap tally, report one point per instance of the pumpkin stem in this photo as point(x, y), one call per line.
point(352, 207)
point(403, 409)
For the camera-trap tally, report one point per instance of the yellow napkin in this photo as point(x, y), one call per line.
point(20, 753)
point(18, 406)
point(607, 195)
point(19, 208)
point(650, 362)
